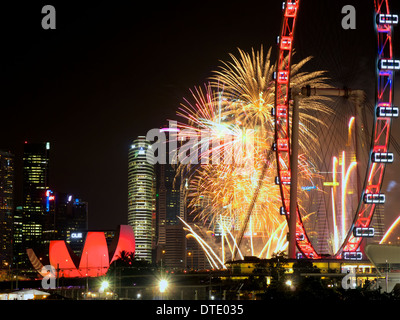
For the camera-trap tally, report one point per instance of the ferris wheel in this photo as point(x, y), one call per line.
point(286, 104)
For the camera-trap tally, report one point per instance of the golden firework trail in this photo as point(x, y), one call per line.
point(390, 230)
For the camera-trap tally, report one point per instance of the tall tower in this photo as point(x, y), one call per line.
point(141, 198)
point(71, 217)
point(35, 184)
point(171, 241)
point(6, 207)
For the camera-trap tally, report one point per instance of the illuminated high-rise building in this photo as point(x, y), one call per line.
point(141, 199)
point(35, 193)
point(171, 205)
point(6, 207)
point(71, 219)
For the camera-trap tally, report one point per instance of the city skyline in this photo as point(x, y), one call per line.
point(215, 151)
point(108, 74)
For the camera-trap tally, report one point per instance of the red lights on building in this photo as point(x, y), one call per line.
point(63, 259)
point(96, 256)
point(124, 240)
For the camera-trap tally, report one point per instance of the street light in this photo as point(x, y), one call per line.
point(104, 285)
point(163, 285)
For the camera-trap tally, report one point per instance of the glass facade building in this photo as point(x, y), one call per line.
point(141, 199)
point(171, 240)
point(71, 220)
point(35, 185)
point(6, 207)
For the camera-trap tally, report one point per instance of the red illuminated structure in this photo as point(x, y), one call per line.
point(384, 113)
point(282, 132)
point(96, 256)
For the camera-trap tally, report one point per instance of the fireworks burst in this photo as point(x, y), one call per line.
point(234, 109)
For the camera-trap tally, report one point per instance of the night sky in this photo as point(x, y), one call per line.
point(112, 70)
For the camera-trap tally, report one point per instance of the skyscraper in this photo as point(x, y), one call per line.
point(34, 186)
point(171, 204)
point(196, 258)
point(141, 198)
point(71, 219)
point(6, 207)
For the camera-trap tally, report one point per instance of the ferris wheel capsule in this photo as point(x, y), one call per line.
point(374, 198)
point(281, 111)
point(286, 43)
point(283, 77)
point(367, 232)
point(388, 18)
point(385, 110)
point(350, 255)
point(283, 145)
point(385, 157)
point(300, 237)
point(389, 64)
point(291, 9)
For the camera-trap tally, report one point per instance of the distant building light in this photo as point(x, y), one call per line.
point(49, 197)
point(331, 184)
point(308, 188)
point(76, 235)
